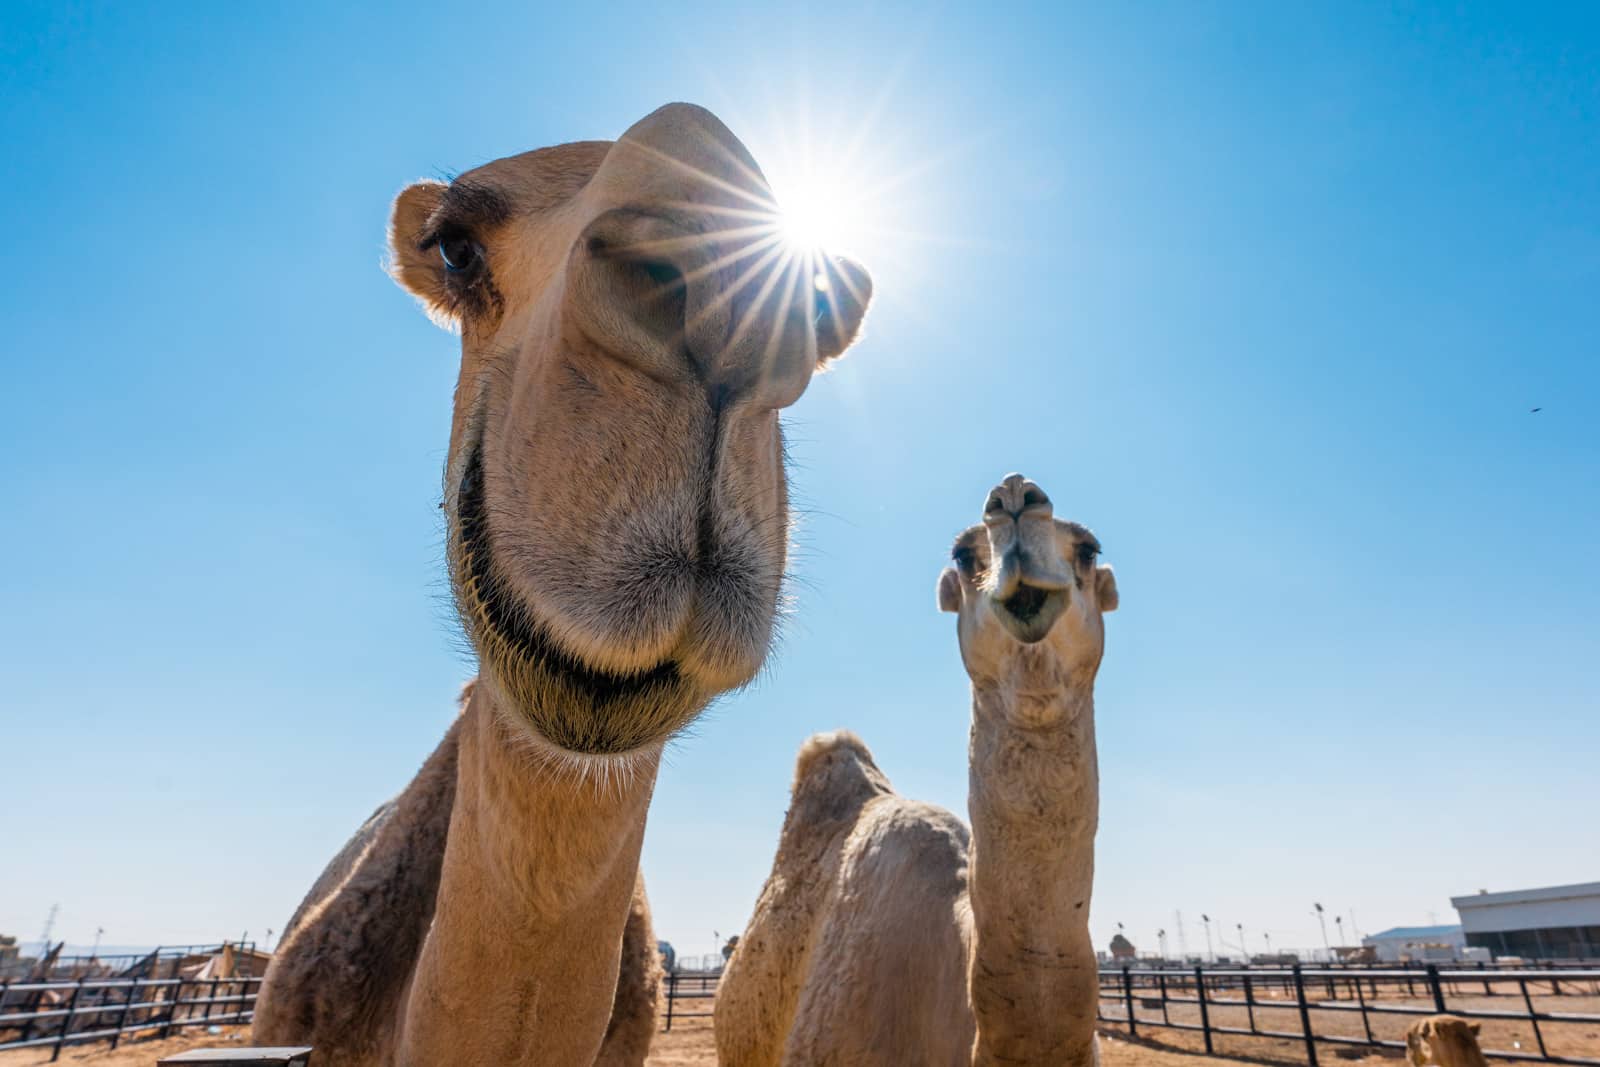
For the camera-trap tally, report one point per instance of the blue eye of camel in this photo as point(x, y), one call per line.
point(458, 252)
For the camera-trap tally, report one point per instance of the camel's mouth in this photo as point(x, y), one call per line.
point(1030, 611)
point(572, 703)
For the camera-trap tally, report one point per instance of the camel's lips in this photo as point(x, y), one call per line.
point(1030, 611)
point(488, 603)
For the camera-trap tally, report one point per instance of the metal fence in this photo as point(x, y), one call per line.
point(60, 1013)
point(1192, 999)
point(693, 986)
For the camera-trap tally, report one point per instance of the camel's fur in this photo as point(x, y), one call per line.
point(1446, 1040)
point(618, 518)
point(886, 935)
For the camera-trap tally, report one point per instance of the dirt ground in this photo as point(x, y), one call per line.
point(690, 1044)
point(1575, 1039)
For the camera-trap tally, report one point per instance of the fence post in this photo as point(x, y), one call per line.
point(172, 1006)
point(66, 1024)
point(1127, 999)
point(1366, 1023)
point(672, 992)
point(1205, 1013)
point(127, 1006)
point(1533, 1017)
point(1438, 991)
point(1305, 1016)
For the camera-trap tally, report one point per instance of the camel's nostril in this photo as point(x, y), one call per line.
point(1034, 498)
point(995, 504)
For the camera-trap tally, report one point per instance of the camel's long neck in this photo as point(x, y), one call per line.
point(520, 965)
point(1034, 803)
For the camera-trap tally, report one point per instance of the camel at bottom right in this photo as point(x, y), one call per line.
point(886, 932)
point(1445, 1040)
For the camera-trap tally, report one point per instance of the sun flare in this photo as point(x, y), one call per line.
point(817, 211)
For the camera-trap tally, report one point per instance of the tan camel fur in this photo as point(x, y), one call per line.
point(1446, 1040)
point(885, 935)
point(617, 510)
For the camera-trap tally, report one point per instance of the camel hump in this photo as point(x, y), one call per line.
point(834, 775)
point(819, 747)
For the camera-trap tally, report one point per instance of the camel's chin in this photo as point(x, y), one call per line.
point(611, 670)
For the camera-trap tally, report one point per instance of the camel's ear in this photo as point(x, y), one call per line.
point(1476, 1028)
point(844, 288)
point(1105, 588)
point(420, 272)
point(949, 590)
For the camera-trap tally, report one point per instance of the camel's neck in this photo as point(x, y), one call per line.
point(520, 965)
point(1034, 802)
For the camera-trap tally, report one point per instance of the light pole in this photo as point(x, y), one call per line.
point(1269, 942)
point(1210, 952)
point(1326, 948)
point(1338, 924)
point(1242, 950)
point(94, 953)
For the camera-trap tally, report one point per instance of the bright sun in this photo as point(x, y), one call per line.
point(819, 212)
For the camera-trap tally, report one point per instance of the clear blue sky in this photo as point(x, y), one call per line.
point(1263, 293)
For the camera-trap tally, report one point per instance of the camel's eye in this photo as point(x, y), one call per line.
point(459, 252)
point(1087, 552)
point(966, 560)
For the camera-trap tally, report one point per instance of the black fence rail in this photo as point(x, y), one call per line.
point(693, 986)
point(1265, 1002)
point(54, 1014)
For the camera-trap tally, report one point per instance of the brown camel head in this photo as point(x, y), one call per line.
point(1029, 591)
point(631, 324)
point(1445, 1040)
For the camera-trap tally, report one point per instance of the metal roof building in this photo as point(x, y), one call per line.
point(1416, 943)
point(1557, 922)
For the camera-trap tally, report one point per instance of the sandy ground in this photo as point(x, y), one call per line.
point(690, 1042)
point(1576, 1039)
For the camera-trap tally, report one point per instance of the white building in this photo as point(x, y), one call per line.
point(1558, 922)
point(1417, 943)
